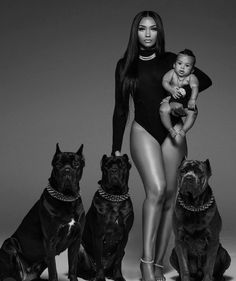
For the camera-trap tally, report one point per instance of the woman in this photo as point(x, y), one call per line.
point(139, 74)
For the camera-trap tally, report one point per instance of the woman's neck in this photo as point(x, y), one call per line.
point(147, 54)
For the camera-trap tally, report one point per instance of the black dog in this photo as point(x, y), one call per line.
point(54, 224)
point(198, 254)
point(108, 223)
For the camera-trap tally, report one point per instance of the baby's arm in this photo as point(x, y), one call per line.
point(194, 85)
point(166, 83)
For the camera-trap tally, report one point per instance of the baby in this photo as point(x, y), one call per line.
point(174, 82)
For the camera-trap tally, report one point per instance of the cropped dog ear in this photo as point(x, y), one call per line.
point(58, 148)
point(80, 150)
point(182, 161)
point(127, 159)
point(208, 167)
point(104, 157)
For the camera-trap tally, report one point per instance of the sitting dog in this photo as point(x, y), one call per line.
point(53, 224)
point(198, 254)
point(108, 222)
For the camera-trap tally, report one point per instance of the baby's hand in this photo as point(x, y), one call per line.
point(192, 104)
point(176, 92)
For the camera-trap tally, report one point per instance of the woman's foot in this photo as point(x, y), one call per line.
point(159, 276)
point(147, 270)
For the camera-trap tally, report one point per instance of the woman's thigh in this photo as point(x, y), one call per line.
point(147, 156)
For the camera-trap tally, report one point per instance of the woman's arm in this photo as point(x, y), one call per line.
point(204, 80)
point(194, 85)
point(120, 113)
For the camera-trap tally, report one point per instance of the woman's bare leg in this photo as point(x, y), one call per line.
point(173, 153)
point(147, 156)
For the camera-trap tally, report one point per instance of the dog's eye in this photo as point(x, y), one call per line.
point(58, 165)
point(76, 164)
point(183, 171)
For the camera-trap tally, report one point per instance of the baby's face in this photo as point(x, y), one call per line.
point(183, 65)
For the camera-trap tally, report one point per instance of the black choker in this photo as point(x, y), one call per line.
point(147, 54)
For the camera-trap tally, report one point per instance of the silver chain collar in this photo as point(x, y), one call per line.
point(191, 208)
point(58, 195)
point(111, 197)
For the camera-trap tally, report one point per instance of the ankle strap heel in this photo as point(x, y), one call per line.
point(146, 261)
point(159, 265)
point(162, 278)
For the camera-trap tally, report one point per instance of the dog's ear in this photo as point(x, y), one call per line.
point(126, 157)
point(58, 149)
point(104, 157)
point(80, 150)
point(127, 160)
point(80, 153)
point(208, 167)
point(182, 161)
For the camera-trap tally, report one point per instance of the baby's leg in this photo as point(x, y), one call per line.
point(165, 111)
point(191, 116)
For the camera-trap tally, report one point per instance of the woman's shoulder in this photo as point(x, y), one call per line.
point(166, 60)
point(120, 64)
point(169, 56)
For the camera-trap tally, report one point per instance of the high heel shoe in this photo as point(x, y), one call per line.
point(144, 261)
point(161, 267)
point(147, 262)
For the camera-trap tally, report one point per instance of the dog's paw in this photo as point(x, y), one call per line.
point(121, 278)
point(73, 278)
point(100, 279)
point(207, 278)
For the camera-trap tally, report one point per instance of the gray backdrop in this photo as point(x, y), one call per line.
point(57, 63)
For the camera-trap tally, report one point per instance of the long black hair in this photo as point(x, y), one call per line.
point(129, 71)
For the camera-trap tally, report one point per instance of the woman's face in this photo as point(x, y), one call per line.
point(147, 32)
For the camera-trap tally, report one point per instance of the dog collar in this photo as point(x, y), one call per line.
point(58, 195)
point(111, 197)
point(191, 208)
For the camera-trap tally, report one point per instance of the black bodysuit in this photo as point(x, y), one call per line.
point(147, 97)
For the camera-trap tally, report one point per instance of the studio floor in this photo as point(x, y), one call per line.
point(131, 264)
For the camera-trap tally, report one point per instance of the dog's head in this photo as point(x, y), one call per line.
point(115, 174)
point(193, 177)
point(67, 171)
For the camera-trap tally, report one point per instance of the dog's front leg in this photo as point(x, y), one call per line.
point(73, 251)
point(117, 273)
point(98, 243)
point(182, 254)
point(210, 261)
point(50, 259)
